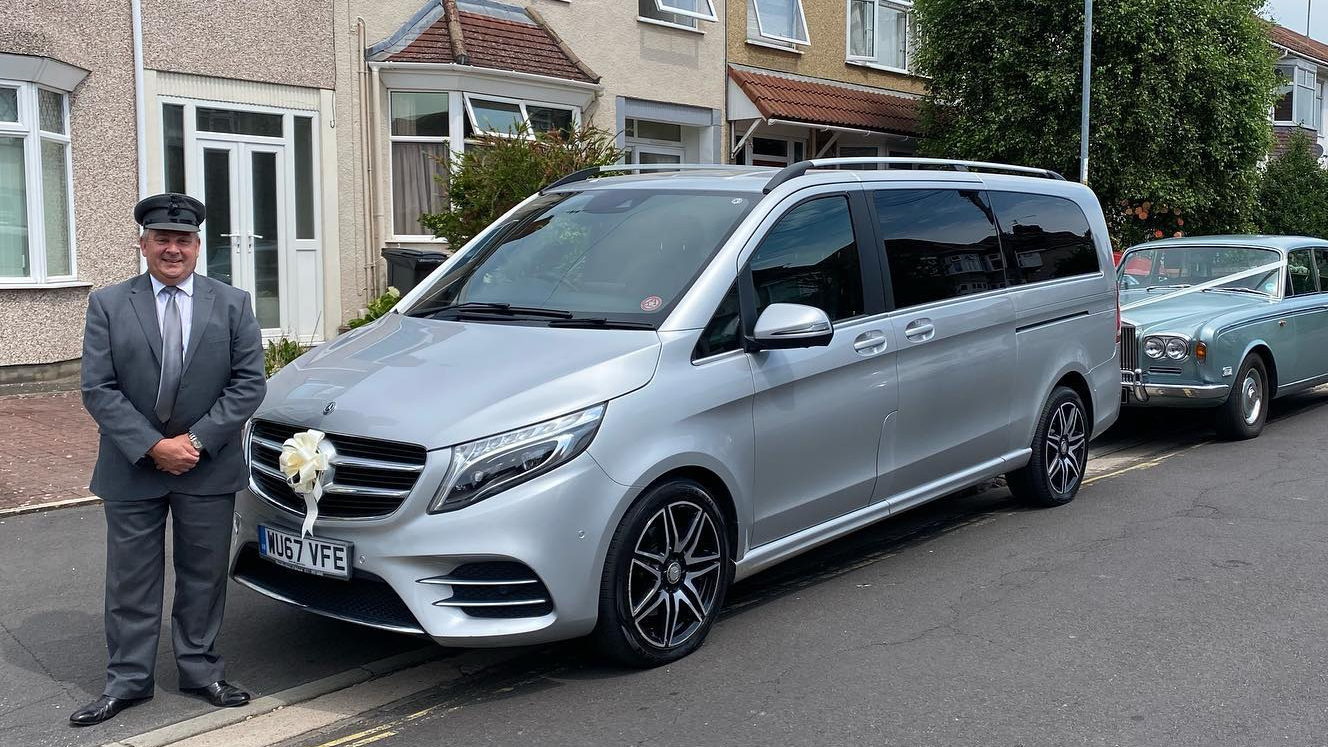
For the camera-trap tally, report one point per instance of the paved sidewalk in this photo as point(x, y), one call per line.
point(48, 445)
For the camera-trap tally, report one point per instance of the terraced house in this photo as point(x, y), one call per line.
point(820, 78)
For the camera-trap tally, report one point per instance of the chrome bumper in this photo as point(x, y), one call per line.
point(1133, 386)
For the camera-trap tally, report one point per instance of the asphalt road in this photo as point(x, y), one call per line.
point(1177, 602)
point(1182, 603)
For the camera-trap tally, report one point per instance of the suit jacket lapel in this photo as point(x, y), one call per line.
point(202, 317)
point(145, 306)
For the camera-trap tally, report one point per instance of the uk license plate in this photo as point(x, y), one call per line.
point(310, 554)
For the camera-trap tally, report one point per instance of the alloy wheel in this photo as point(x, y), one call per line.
point(1065, 448)
point(675, 574)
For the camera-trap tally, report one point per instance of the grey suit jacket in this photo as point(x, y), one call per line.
point(221, 387)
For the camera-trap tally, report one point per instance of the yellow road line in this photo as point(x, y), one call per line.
point(1146, 464)
point(372, 739)
point(355, 736)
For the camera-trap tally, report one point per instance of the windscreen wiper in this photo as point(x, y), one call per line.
point(1152, 288)
point(491, 307)
point(1236, 290)
point(599, 321)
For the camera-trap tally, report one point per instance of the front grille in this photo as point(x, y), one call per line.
point(495, 590)
point(1172, 370)
point(1129, 353)
point(371, 478)
point(365, 598)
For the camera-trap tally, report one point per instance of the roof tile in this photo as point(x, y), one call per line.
point(1298, 43)
point(495, 43)
point(827, 103)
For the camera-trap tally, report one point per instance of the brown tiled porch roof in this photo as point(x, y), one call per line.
point(827, 103)
point(1299, 43)
point(488, 35)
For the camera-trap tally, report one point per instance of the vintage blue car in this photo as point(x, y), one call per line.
point(1225, 322)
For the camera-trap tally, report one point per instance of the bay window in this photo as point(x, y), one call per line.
point(430, 130)
point(880, 33)
point(36, 215)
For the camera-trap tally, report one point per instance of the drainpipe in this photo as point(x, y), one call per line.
point(366, 160)
point(377, 225)
point(140, 113)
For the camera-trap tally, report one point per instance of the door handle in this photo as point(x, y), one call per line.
point(870, 342)
point(919, 330)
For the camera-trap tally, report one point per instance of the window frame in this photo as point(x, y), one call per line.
point(659, 5)
point(1294, 87)
point(1014, 272)
point(29, 130)
point(1315, 278)
point(875, 295)
point(459, 114)
point(521, 104)
point(801, 16)
point(871, 60)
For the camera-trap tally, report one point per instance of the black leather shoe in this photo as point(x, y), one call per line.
point(103, 708)
point(221, 694)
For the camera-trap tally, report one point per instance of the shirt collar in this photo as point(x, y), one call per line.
point(186, 285)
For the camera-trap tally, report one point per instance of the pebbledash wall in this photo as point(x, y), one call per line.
point(44, 325)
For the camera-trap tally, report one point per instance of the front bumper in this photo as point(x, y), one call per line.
point(556, 526)
point(1136, 391)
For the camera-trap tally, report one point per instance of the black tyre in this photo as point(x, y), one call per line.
point(1244, 413)
point(1055, 472)
point(665, 576)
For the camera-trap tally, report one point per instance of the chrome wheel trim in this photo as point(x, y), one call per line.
point(1065, 448)
point(674, 576)
point(1251, 396)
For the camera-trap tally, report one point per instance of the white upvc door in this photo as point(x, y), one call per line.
point(244, 237)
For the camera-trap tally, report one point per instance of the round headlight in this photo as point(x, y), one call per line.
point(1153, 347)
point(1177, 349)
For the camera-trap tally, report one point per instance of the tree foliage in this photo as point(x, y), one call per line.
point(1293, 195)
point(500, 171)
point(1180, 97)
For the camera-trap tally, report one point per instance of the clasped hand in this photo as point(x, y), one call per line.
point(174, 455)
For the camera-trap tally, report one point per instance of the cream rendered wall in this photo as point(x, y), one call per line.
point(46, 326)
point(640, 60)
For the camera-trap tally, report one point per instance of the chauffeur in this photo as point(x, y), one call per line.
point(172, 369)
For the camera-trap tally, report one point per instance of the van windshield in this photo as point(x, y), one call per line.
point(621, 257)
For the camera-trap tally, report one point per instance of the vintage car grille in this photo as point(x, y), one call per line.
point(1171, 370)
point(1129, 351)
point(371, 478)
point(364, 599)
point(495, 589)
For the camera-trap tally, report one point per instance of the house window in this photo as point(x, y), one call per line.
point(429, 130)
point(880, 33)
point(779, 22)
point(770, 151)
point(648, 10)
point(1299, 99)
point(653, 142)
point(420, 155)
point(36, 195)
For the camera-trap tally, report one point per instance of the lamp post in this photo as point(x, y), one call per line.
point(1088, 85)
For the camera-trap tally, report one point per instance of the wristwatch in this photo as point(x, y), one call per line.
point(194, 440)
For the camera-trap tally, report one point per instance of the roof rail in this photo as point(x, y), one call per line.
point(802, 167)
point(577, 176)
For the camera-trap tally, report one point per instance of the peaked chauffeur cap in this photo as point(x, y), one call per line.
point(170, 211)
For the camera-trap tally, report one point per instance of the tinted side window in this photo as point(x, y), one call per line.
point(722, 333)
point(810, 257)
point(1299, 274)
point(1048, 237)
point(940, 243)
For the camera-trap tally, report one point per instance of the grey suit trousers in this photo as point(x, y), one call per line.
point(135, 575)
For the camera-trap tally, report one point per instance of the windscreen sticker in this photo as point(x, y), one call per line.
point(652, 303)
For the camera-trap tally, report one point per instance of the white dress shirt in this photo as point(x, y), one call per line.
point(184, 300)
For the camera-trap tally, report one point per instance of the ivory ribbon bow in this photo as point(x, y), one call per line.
point(303, 463)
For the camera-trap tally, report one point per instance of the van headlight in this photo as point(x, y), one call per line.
point(483, 468)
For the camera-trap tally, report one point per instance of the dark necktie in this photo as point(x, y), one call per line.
point(172, 355)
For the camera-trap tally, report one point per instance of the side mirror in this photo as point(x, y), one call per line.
point(789, 325)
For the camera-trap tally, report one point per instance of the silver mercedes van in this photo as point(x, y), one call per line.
point(631, 391)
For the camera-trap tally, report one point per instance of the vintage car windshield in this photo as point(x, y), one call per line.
point(1170, 268)
point(618, 257)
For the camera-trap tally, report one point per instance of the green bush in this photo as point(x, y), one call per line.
point(377, 308)
point(280, 352)
point(500, 171)
point(1293, 192)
